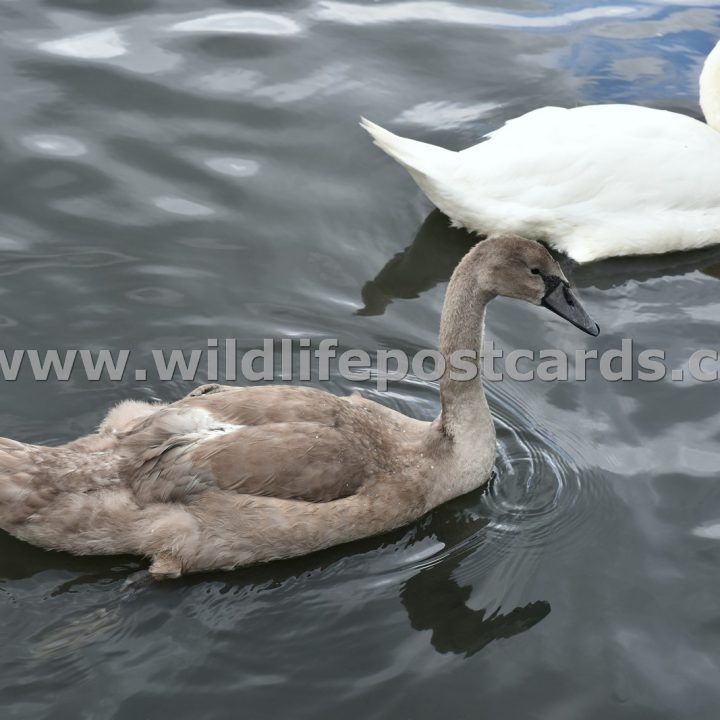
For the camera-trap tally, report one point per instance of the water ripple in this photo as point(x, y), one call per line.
point(75, 258)
point(181, 206)
point(237, 167)
point(445, 115)
point(246, 23)
point(446, 13)
point(539, 498)
point(542, 495)
point(55, 145)
point(98, 45)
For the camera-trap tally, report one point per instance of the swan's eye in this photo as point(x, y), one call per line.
point(534, 271)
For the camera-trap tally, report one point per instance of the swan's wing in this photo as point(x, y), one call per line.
point(258, 405)
point(283, 442)
point(616, 157)
point(594, 181)
point(540, 120)
point(300, 460)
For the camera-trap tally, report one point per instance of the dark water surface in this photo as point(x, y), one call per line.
point(171, 173)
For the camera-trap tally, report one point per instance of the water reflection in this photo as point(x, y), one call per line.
point(246, 23)
point(432, 596)
point(435, 601)
point(22, 561)
point(438, 247)
point(100, 45)
point(427, 262)
point(445, 12)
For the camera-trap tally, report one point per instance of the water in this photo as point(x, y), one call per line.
point(172, 174)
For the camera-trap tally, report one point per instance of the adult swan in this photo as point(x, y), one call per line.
point(594, 182)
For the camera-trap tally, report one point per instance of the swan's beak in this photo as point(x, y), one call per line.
point(560, 299)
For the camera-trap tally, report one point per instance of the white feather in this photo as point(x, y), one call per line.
point(595, 182)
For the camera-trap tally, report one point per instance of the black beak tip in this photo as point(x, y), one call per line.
point(587, 325)
point(560, 300)
point(592, 328)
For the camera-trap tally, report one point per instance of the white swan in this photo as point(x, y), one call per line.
point(594, 182)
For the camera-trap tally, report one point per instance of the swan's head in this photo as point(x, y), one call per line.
point(515, 267)
point(710, 89)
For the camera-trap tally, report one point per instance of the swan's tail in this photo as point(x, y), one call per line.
point(18, 494)
point(421, 159)
point(61, 499)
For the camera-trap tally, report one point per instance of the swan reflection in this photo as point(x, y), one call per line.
point(438, 247)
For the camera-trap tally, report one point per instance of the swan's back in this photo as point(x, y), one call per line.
point(596, 181)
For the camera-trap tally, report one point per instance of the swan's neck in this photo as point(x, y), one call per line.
point(710, 89)
point(464, 408)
